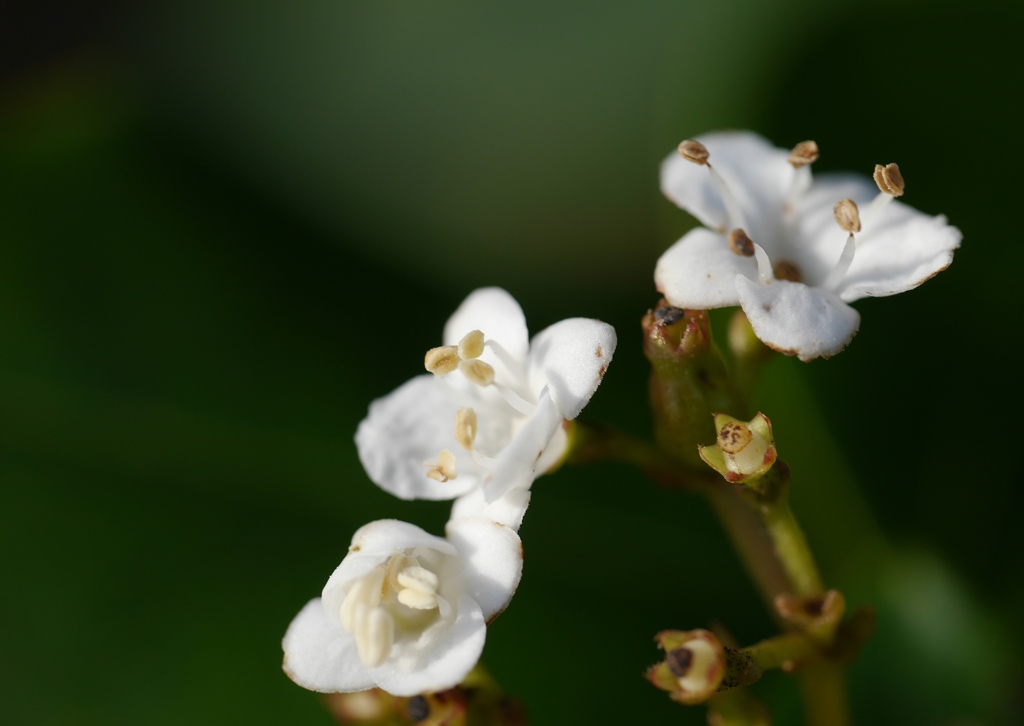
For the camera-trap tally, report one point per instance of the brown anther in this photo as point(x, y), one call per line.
point(787, 271)
point(477, 371)
point(889, 179)
point(465, 428)
point(442, 360)
point(847, 215)
point(734, 437)
point(804, 153)
point(472, 345)
point(679, 661)
point(740, 243)
point(694, 151)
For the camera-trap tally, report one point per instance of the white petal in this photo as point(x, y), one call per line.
point(796, 319)
point(570, 358)
point(320, 656)
point(441, 657)
point(906, 249)
point(509, 509)
point(494, 312)
point(492, 558)
point(758, 174)
point(516, 465)
point(410, 425)
point(699, 271)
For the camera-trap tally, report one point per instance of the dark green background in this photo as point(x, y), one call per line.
point(226, 226)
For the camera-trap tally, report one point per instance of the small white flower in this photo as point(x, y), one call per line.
point(405, 611)
point(777, 244)
point(487, 420)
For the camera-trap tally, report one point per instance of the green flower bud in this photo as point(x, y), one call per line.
point(744, 450)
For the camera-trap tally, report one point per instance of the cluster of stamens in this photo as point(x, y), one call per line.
point(364, 611)
point(463, 357)
point(890, 184)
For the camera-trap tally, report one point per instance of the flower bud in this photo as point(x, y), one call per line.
point(744, 450)
point(694, 665)
point(817, 615)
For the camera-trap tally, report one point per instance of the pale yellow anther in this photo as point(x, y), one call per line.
point(477, 371)
point(734, 437)
point(465, 428)
point(889, 179)
point(442, 360)
point(847, 215)
point(472, 345)
point(444, 469)
point(740, 243)
point(694, 151)
point(804, 153)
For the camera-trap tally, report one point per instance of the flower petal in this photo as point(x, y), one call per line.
point(410, 425)
point(699, 271)
point(320, 655)
point(491, 555)
point(516, 465)
point(796, 319)
point(440, 658)
point(494, 312)
point(758, 174)
point(570, 358)
point(508, 509)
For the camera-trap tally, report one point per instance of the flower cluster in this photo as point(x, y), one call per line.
point(407, 611)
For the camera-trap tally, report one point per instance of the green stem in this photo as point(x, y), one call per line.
point(825, 698)
point(791, 548)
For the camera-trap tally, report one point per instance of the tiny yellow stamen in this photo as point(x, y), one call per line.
point(477, 371)
point(465, 428)
point(889, 179)
point(694, 151)
point(442, 360)
point(847, 215)
point(444, 469)
point(804, 153)
point(472, 345)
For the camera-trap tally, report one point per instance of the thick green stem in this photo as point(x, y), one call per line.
point(791, 549)
point(825, 698)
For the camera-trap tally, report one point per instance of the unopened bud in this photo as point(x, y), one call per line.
point(847, 215)
point(740, 243)
point(694, 665)
point(471, 345)
point(889, 179)
point(817, 615)
point(744, 450)
point(694, 151)
point(465, 428)
point(477, 371)
point(804, 153)
point(442, 360)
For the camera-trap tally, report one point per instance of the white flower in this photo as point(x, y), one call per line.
point(405, 611)
point(487, 421)
point(773, 246)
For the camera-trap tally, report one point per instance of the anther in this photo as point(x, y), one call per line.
point(694, 151)
point(847, 215)
point(787, 271)
point(740, 243)
point(419, 588)
point(375, 637)
point(465, 428)
point(889, 179)
point(804, 153)
point(472, 345)
point(442, 360)
point(477, 371)
point(734, 437)
point(444, 469)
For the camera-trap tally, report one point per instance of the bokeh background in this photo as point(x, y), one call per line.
point(226, 226)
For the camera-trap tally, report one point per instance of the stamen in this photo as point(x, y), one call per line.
point(740, 243)
point(889, 179)
point(471, 345)
point(847, 216)
point(444, 469)
point(804, 153)
point(465, 428)
point(364, 592)
point(375, 637)
point(441, 360)
point(419, 588)
point(838, 273)
point(514, 400)
point(514, 367)
point(694, 151)
point(477, 371)
point(484, 461)
point(784, 270)
point(764, 265)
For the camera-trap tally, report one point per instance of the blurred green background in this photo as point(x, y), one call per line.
point(226, 226)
